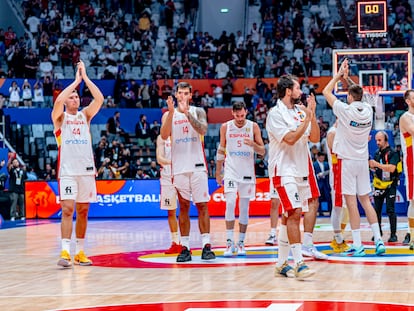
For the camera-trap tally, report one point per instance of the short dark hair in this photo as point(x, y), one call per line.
point(407, 94)
point(184, 85)
point(239, 105)
point(285, 82)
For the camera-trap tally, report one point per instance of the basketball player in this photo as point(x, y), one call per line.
point(339, 215)
point(168, 193)
point(290, 126)
point(351, 146)
point(76, 169)
point(240, 139)
point(186, 125)
point(407, 133)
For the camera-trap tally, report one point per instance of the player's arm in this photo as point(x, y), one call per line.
point(97, 95)
point(199, 123)
point(293, 136)
point(220, 155)
point(330, 139)
point(160, 152)
point(166, 121)
point(327, 91)
point(257, 143)
point(315, 132)
point(58, 106)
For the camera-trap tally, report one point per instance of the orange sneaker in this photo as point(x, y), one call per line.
point(174, 248)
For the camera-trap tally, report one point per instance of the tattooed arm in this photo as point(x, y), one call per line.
point(199, 123)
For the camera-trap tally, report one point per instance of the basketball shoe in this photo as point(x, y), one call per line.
point(302, 271)
point(284, 270)
point(311, 251)
point(207, 253)
point(230, 249)
point(339, 247)
point(174, 249)
point(379, 248)
point(185, 255)
point(353, 251)
point(65, 261)
point(82, 260)
point(241, 251)
point(272, 240)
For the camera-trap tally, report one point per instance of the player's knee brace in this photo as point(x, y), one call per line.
point(244, 211)
point(230, 206)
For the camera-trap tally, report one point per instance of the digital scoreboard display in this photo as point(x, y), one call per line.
point(372, 18)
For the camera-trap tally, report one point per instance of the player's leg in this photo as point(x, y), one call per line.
point(229, 216)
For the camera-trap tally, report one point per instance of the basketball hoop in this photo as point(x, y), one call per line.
point(371, 94)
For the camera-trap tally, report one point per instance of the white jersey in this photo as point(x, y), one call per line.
point(74, 140)
point(166, 169)
point(354, 127)
point(290, 160)
point(239, 161)
point(187, 150)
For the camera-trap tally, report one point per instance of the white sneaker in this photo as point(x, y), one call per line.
point(272, 240)
point(241, 251)
point(230, 249)
point(311, 251)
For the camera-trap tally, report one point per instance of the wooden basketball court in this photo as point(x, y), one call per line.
point(31, 280)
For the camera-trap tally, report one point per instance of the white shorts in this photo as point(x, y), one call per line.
point(354, 177)
point(168, 195)
point(294, 192)
point(81, 189)
point(192, 186)
point(272, 190)
point(245, 190)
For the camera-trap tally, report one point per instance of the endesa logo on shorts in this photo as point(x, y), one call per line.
point(76, 141)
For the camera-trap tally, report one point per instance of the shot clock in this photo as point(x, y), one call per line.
point(372, 19)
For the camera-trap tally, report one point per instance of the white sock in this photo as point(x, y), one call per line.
point(205, 239)
point(284, 246)
point(230, 234)
point(273, 231)
point(307, 238)
point(80, 243)
point(65, 245)
point(356, 237)
point(376, 230)
point(175, 237)
point(297, 252)
point(242, 236)
point(185, 241)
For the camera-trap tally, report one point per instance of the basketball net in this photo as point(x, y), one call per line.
point(372, 97)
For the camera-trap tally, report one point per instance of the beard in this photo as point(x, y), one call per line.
point(296, 101)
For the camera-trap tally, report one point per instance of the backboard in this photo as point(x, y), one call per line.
point(389, 70)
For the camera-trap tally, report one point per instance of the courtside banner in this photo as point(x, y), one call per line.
point(141, 198)
point(131, 198)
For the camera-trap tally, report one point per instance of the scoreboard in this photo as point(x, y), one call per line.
point(372, 19)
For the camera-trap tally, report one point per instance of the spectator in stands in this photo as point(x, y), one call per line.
point(17, 176)
point(144, 94)
point(104, 170)
point(227, 86)
point(140, 174)
point(31, 174)
point(154, 171)
point(212, 168)
point(14, 94)
point(49, 173)
point(38, 98)
point(27, 95)
point(154, 91)
point(48, 91)
point(217, 95)
point(113, 127)
point(65, 52)
point(260, 112)
point(260, 167)
point(155, 131)
point(115, 150)
point(45, 67)
point(101, 152)
point(143, 133)
point(110, 103)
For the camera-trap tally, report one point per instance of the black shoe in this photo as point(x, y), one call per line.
point(372, 239)
point(207, 253)
point(393, 238)
point(407, 239)
point(184, 256)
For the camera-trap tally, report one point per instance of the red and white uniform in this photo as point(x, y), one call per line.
point(239, 173)
point(75, 146)
point(168, 192)
point(288, 164)
point(408, 160)
point(76, 165)
point(189, 166)
point(186, 141)
point(334, 174)
point(351, 145)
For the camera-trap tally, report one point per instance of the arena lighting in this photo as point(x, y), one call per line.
point(224, 10)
